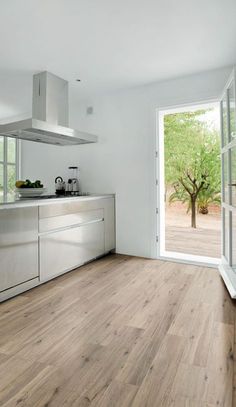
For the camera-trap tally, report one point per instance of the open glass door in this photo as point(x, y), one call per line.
point(228, 155)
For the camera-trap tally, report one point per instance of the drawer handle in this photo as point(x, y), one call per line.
point(77, 225)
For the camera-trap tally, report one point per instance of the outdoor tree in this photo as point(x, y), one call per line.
point(192, 160)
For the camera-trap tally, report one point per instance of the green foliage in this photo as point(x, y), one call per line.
point(180, 194)
point(1, 147)
point(11, 168)
point(192, 158)
point(11, 178)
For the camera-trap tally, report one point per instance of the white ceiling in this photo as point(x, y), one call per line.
point(112, 44)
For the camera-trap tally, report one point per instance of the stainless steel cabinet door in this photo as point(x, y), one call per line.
point(18, 246)
point(109, 215)
point(64, 250)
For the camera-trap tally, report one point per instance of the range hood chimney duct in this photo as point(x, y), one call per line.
point(50, 99)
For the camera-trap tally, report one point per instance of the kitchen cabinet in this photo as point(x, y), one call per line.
point(109, 220)
point(18, 246)
point(41, 241)
point(73, 233)
point(65, 249)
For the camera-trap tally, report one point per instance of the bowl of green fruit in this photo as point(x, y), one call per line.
point(29, 189)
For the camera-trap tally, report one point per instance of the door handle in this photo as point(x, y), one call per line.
point(232, 185)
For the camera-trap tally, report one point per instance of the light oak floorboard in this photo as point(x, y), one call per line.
point(120, 332)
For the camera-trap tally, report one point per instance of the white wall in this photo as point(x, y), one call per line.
point(123, 161)
point(46, 162)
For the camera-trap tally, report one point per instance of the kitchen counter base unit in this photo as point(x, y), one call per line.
point(41, 242)
point(18, 289)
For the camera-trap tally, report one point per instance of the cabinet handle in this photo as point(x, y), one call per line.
point(75, 226)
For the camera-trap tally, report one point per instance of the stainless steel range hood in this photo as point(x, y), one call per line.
point(49, 123)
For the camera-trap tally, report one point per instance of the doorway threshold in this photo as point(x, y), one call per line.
point(190, 259)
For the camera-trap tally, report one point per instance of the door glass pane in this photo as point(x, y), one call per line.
point(224, 121)
point(11, 178)
point(234, 239)
point(11, 150)
point(232, 111)
point(1, 148)
point(226, 233)
point(1, 180)
point(233, 175)
point(226, 178)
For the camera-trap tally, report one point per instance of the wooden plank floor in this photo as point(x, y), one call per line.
point(119, 332)
point(199, 242)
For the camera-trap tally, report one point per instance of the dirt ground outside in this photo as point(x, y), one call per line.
point(181, 238)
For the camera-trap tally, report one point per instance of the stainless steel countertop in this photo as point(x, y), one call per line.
point(12, 202)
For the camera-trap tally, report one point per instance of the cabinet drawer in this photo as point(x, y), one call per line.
point(64, 250)
point(62, 221)
point(66, 208)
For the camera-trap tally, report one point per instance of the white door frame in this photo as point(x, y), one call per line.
point(160, 187)
point(227, 268)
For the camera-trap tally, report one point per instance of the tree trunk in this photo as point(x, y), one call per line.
point(193, 212)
